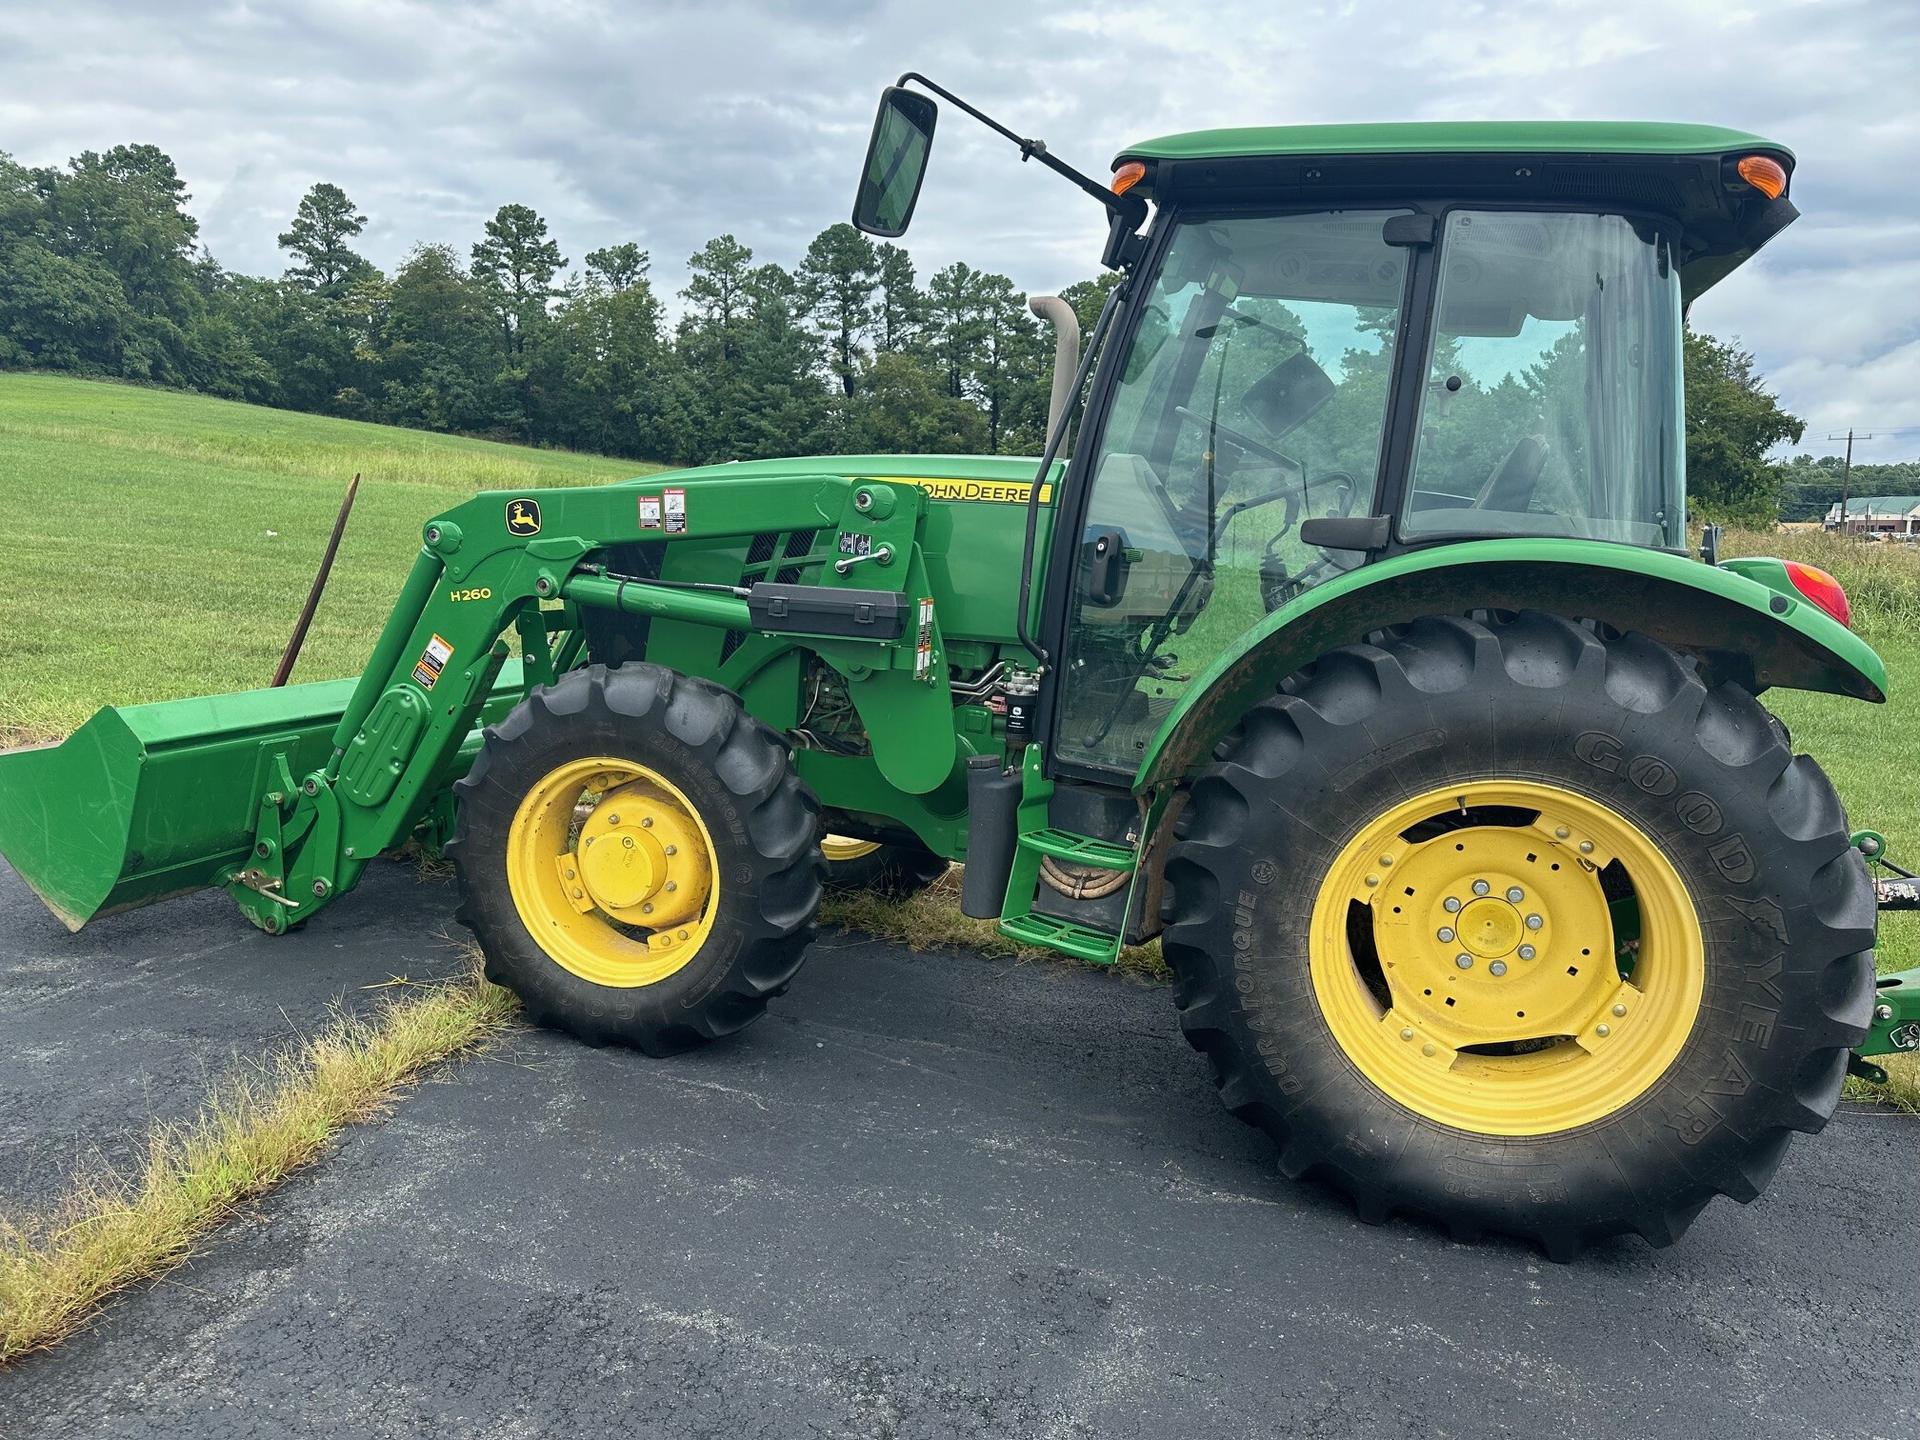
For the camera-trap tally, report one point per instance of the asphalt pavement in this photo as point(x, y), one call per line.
point(929, 1195)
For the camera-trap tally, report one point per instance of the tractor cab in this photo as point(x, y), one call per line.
point(1336, 344)
point(1346, 342)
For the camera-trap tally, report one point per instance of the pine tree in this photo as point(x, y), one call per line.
point(319, 239)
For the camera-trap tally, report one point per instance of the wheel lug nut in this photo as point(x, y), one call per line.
point(1446, 934)
point(646, 822)
point(1603, 1030)
point(1451, 905)
point(647, 909)
point(1373, 879)
point(1534, 922)
point(1463, 960)
point(1498, 967)
point(1618, 1011)
point(673, 885)
point(1427, 1049)
point(1586, 847)
point(1480, 887)
point(1385, 861)
point(673, 849)
point(613, 819)
point(1516, 894)
point(1527, 952)
point(1560, 832)
point(1407, 1033)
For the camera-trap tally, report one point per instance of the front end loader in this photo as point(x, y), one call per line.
point(1356, 652)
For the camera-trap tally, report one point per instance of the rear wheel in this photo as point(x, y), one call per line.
point(1523, 928)
point(896, 868)
point(637, 858)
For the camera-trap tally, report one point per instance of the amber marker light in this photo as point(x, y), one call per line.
point(1131, 174)
point(1764, 173)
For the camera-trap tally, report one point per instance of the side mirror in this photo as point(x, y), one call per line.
point(896, 162)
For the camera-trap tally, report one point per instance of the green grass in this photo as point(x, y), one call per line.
point(161, 544)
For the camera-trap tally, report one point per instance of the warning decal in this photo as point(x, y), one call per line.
point(426, 673)
point(923, 645)
point(649, 512)
point(674, 505)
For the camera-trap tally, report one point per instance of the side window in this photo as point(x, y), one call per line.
point(1551, 401)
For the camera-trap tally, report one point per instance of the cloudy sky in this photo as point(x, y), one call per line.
point(668, 121)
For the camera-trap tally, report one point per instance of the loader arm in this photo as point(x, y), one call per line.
point(284, 796)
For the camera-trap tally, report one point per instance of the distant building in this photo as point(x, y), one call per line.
point(1879, 516)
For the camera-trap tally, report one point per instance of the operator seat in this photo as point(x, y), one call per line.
point(1510, 487)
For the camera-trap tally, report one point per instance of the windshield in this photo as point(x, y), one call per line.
point(1254, 397)
point(1552, 403)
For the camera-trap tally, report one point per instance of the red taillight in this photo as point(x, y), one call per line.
point(1821, 588)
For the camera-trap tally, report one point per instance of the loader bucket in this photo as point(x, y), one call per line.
point(144, 802)
point(148, 801)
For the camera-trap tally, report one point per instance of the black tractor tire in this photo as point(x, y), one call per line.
point(739, 776)
point(896, 870)
point(1785, 908)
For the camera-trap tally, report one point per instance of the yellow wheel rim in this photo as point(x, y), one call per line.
point(1486, 975)
point(613, 871)
point(841, 848)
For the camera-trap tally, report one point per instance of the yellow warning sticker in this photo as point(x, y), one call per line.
point(997, 492)
point(426, 672)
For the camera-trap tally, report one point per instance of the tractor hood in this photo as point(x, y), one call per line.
point(1686, 173)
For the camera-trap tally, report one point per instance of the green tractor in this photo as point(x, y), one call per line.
point(1357, 653)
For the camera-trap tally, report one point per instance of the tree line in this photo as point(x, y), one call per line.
point(102, 273)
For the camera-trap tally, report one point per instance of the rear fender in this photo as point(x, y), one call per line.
point(1748, 632)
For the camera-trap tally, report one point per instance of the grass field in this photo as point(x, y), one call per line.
point(160, 544)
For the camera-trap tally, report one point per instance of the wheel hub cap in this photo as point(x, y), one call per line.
point(1512, 1004)
point(612, 871)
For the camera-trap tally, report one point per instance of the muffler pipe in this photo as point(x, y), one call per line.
point(1066, 353)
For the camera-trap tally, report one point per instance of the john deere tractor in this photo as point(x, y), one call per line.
point(1357, 652)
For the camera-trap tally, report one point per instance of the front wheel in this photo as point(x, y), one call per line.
point(637, 858)
point(895, 869)
point(1519, 926)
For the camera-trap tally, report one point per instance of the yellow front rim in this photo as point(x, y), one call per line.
point(841, 848)
point(613, 871)
point(1473, 953)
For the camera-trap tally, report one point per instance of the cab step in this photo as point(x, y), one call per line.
point(1081, 850)
point(1082, 942)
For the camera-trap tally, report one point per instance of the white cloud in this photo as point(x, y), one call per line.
point(669, 121)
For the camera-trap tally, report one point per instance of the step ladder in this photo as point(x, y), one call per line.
point(1037, 841)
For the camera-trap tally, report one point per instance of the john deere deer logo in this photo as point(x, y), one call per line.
point(523, 517)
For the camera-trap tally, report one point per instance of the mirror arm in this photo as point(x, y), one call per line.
point(1130, 209)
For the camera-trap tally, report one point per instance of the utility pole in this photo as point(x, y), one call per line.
point(1846, 478)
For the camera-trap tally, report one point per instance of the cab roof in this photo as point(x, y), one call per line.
point(1683, 172)
point(1458, 137)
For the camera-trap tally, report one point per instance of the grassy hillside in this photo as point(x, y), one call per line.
point(160, 544)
